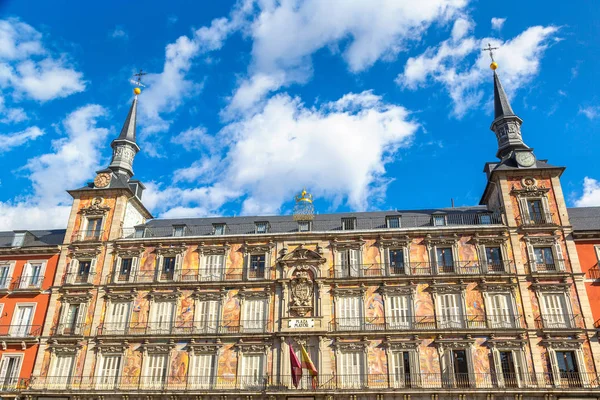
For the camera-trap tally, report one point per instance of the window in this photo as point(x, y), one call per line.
point(139, 232)
point(261, 227)
point(252, 371)
point(83, 272)
point(33, 274)
point(94, 228)
point(21, 322)
point(445, 260)
point(508, 365)
point(256, 268)
point(213, 267)
point(399, 312)
point(554, 311)
point(348, 224)
point(493, 258)
point(304, 226)
point(218, 229)
point(110, 366)
point(544, 259)
point(18, 239)
point(125, 269)
point(439, 220)
point(61, 371)
point(396, 261)
point(348, 263)
point(207, 316)
point(118, 319)
point(461, 369)
point(405, 369)
point(178, 230)
point(5, 274)
point(200, 375)
point(10, 367)
point(485, 219)
point(536, 211)
point(392, 222)
point(349, 313)
point(568, 369)
point(450, 311)
point(500, 311)
point(254, 315)
point(156, 370)
point(161, 317)
point(167, 271)
point(73, 319)
point(351, 369)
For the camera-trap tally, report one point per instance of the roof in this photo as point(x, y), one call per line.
point(128, 130)
point(37, 238)
point(585, 218)
point(502, 106)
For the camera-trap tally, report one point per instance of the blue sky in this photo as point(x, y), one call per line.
point(369, 104)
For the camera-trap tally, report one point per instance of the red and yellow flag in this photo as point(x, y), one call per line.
point(308, 364)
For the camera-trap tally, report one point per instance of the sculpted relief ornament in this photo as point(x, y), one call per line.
point(302, 290)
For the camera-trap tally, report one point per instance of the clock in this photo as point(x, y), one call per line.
point(102, 180)
point(525, 158)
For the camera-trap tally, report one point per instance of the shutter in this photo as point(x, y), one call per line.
point(62, 317)
point(447, 368)
point(470, 368)
point(386, 261)
point(42, 273)
point(79, 323)
point(560, 259)
point(581, 367)
point(134, 267)
point(531, 255)
point(399, 373)
point(554, 367)
point(406, 259)
point(523, 370)
point(117, 269)
point(546, 210)
point(4, 368)
point(119, 317)
point(267, 268)
point(524, 211)
point(26, 276)
point(498, 367)
point(354, 263)
point(400, 313)
point(415, 369)
point(178, 267)
point(339, 266)
point(516, 356)
point(92, 273)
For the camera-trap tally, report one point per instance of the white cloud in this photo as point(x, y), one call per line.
point(461, 27)
point(339, 150)
point(591, 193)
point(498, 23)
point(11, 140)
point(72, 161)
point(119, 33)
point(286, 34)
point(9, 115)
point(47, 80)
point(519, 60)
point(194, 139)
point(19, 40)
point(591, 112)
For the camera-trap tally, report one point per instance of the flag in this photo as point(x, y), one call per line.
point(308, 364)
point(296, 368)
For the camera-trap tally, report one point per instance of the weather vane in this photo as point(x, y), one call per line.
point(138, 82)
point(491, 49)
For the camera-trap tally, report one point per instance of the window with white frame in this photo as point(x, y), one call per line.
point(252, 371)
point(255, 315)
point(219, 229)
point(404, 368)
point(61, 370)
point(155, 373)
point(545, 254)
point(439, 220)
point(500, 310)
point(450, 311)
point(213, 267)
point(348, 224)
point(10, 367)
point(139, 232)
point(349, 313)
point(18, 239)
point(178, 230)
point(93, 228)
point(109, 370)
point(125, 268)
point(72, 318)
point(567, 364)
point(201, 371)
point(22, 318)
point(510, 366)
point(167, 267)
point(393, 222)
point(399, 312)
point(597, 248)
point(444, 260)
point(304, 226)
point(207, 316)
point(348, 263)
point(261, 227)
point(162, 314)
point(33, 274)
point(81, 270)
point(556, 310)
point(6, 271)
point(397, 260)
point(117, 318)
point(457, 367)
point(351, 367)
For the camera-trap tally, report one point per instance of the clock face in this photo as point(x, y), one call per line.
point(102, 180)
point(525, 159)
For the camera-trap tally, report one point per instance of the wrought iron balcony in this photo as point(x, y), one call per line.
point(418, 382)
point(559, 321)
point(78, 278)
point(14, 384)
point(25, 283)
point(429, 322)
point(536, 219)
point(549, 267)
point(68, 329)
point(212, 327)
point(421, 268)
point(593, 273)
point(19, 331)
point(85, 235)
point(188, 275)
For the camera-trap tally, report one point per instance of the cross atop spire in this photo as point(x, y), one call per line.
point(491, 50)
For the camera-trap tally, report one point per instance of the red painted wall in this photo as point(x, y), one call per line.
point(589, 260)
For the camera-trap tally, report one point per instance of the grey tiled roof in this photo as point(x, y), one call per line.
point(585, 218)
point(37, 238)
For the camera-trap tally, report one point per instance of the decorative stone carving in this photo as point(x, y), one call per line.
point(120, 296)
point(362, 345)
point(498, 286)
point(302, 291)
point(505, 343)
point(213, 249)
point(441, 240)
point(75, 297)
point(300, 255)
point(342, 291)
point(84, 251)
point(170, 250)
point(530, 188)
point(398, 242)
point(206, 296)
point(397, 290)
point(551, 286)
point(248, 248)
point(105, 348)
point(443, 288)
point(157, 347)
point(548, 240)
point(453, 343)
point(133, 251)
point(562, 343)
point(489, 240)
point(95, 208)
point(196, 348)
point(254, 294)
point(64, 348)
point(158, 296)
point(243, 347)
point(347, 245)
point(395, 345)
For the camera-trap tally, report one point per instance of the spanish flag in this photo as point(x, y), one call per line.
point(308, 364)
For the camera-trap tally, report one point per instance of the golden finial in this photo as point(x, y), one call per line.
point(304, 209)
point(138, 82)
point(137, 90)
point(304, 196)
point(491, 49)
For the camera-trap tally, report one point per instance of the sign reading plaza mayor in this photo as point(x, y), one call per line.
point(301, 323)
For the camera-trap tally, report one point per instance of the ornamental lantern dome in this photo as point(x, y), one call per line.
point(304, 210)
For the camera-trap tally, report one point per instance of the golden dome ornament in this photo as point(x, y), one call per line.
point(493, 65)
point(304, 209)
point(137, 91)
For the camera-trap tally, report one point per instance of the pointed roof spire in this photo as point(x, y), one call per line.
point(124, 146)
point(129, 127)
point(502, 106)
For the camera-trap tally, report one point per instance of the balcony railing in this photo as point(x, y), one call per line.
point(421, 268)
point(14, 384)
point(185, 328)
point(521, 382)
point(19, 331)
point(68, 329)
point(446, 322)
point(27, 283)
point(188, 275)
point(77, 278)
point(593, 273)
point(419, 221)
point(84, 235)
point(559, 321)
point(550, 267)
point(536, 219)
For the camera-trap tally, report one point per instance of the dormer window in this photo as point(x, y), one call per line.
point(485, 219)
point(304, 226)
point(18, 239)
point(178, 230)
point(439, 220)
point(348, 224)
point(261, 227)
point(393, 221)
point(139, 232)
point(218, 229)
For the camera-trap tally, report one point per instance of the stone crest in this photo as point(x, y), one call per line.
point(302, 289)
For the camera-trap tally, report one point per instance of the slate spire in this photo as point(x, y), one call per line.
point(125, 147)
point(501, 104)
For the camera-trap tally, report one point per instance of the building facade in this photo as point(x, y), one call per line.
point(477, 302)
point(28, 261)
